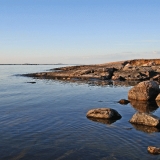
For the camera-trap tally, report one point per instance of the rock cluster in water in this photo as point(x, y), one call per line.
point(130, 70)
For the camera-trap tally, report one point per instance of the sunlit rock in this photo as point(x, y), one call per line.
point(145, 119)
point(153, 150)
point(104, 113)
point(145, 91)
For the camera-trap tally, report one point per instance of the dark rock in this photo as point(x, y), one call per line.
point(104, 113)
point(123, 101)
point(144, 91)
point(31, 82)
point(144, 106)
point(145, 119)
point(153, 150)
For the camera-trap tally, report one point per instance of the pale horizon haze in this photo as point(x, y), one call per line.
point(78, 31)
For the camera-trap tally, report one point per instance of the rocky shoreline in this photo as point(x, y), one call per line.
point(123, 71)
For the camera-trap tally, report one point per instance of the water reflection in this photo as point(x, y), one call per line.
point(144, 106)
point(89, 81)
point(103, 121)
point(147, 129)
point(148, 108)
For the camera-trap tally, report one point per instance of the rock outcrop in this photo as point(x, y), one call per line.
point(144, 91)
point(145, 119)
point(103, 113)
point(130, 70)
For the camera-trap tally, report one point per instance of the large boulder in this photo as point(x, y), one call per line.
point(144, 91)
point(145, 119)
point(104, 113)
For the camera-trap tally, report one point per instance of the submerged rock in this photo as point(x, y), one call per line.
point(104, 113)
point(145, 119)
point(153, 150)
point(144, 91)
point(123, 101)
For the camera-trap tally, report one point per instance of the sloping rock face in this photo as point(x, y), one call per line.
point(104, 113)
point(144, 91)
point(145, 119)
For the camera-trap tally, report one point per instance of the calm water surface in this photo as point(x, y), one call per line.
point(47, 120)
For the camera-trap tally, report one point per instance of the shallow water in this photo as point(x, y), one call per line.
point(47, 120)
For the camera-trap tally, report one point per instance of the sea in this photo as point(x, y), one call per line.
point(45, 119)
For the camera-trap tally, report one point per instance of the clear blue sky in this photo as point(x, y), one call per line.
point(78, 31)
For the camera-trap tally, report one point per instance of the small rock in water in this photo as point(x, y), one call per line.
point(31, 82)
point(104, 113)
point(123, 101)
point(153, 150)
point(145, 119)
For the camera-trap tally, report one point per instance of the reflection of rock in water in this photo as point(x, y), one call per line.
point(104, 121)
point(146, 129)
point(144, 106)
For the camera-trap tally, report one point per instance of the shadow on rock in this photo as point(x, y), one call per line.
point(144, 106)
point(103, 121)
point(146, 129)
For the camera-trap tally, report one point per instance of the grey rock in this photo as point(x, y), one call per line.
point(145, 91)
point(104, 113)
point(145, 119)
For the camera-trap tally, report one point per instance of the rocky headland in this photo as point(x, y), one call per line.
point(128, 71)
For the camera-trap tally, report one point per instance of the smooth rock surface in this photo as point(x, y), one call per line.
point(104, 113)
point(144, 91)
point(145, 119)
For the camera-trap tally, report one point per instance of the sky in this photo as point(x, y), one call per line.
point(78, 31)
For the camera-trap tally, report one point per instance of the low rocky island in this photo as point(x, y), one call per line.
point(129, 70)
